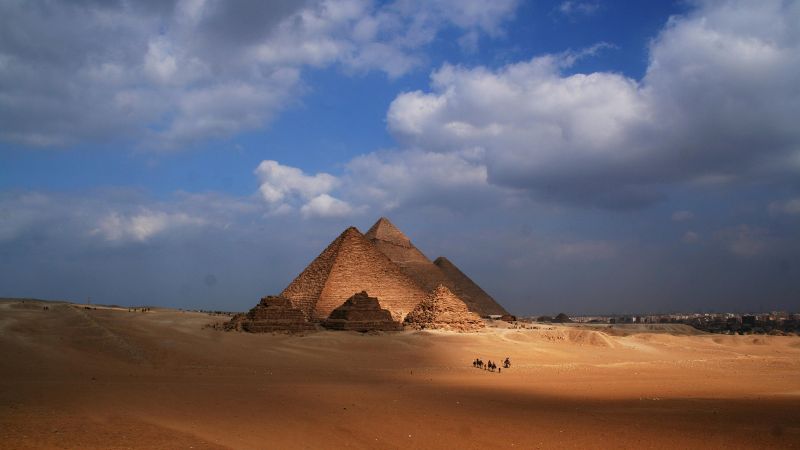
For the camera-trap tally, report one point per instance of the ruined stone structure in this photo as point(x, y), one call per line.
point(352, 264)
point(398, 247)
point(361, 313)
point(443, 310)
point(271, 314)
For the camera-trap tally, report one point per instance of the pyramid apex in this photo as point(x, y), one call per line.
point(384, 230)
point(350, 230)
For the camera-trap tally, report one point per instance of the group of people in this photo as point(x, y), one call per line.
point(479, 364)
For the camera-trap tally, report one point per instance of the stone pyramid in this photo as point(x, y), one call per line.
point(271, 314)
point(398, 247)
point(476, 298)
point(443, 310)
point(429, 275)
point(348, 265)
point(361, 313)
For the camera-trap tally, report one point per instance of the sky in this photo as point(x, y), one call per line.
point(578, 156)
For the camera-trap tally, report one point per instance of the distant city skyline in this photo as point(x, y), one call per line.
point(586, 157)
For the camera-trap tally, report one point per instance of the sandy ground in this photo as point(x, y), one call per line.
point(109, 378)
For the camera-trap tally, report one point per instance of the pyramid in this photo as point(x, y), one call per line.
point(352, 264)
point(477, 299)
point(443, 310)
point(429, 275)
point(271, 314)
point(398, 247)
point(361, 313)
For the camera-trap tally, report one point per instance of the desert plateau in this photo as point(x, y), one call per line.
point(104, 377)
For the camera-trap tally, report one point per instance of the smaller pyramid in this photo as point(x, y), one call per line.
point(443, 310)
point(384, 230)
point(270, 315)
point(361, 313)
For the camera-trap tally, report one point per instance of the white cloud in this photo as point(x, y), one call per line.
point(168, 75)
point(718, 102)
point(142, 226)
point(279, 182)
point(387, 180)
point(283, 187)
point(326, 206)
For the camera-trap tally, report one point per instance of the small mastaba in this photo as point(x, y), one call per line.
point(361, 313)
point(271, 314)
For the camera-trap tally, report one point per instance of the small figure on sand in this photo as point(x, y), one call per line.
point(507, 362)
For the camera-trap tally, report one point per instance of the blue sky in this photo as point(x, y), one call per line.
point(578, 156)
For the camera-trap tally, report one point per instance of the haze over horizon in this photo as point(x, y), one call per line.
point(580, 156)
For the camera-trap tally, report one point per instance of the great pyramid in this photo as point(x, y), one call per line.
point(429, 275)
point(351, 264)
point(443, 310)
point(361, 313)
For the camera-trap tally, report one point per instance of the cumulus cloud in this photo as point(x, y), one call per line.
point(387, 180)
point(324, 205)
point(283, 188)
point(718, 101)
point(169, 74)
point(140, 227)
point(114, 217)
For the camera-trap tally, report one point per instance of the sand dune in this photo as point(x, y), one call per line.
point(109, 378)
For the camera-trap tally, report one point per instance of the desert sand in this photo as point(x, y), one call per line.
point(109, 378)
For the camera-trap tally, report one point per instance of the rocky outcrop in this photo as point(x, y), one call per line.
point(361, 313)
point(272, 314)
point(443, 310)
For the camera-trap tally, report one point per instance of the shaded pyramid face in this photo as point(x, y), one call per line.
point(476, 298)
point(394, 244)
point(441, 309)
point(351, 264)
point(429, 275)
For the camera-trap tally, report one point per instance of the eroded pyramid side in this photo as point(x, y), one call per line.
point(476, 298)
